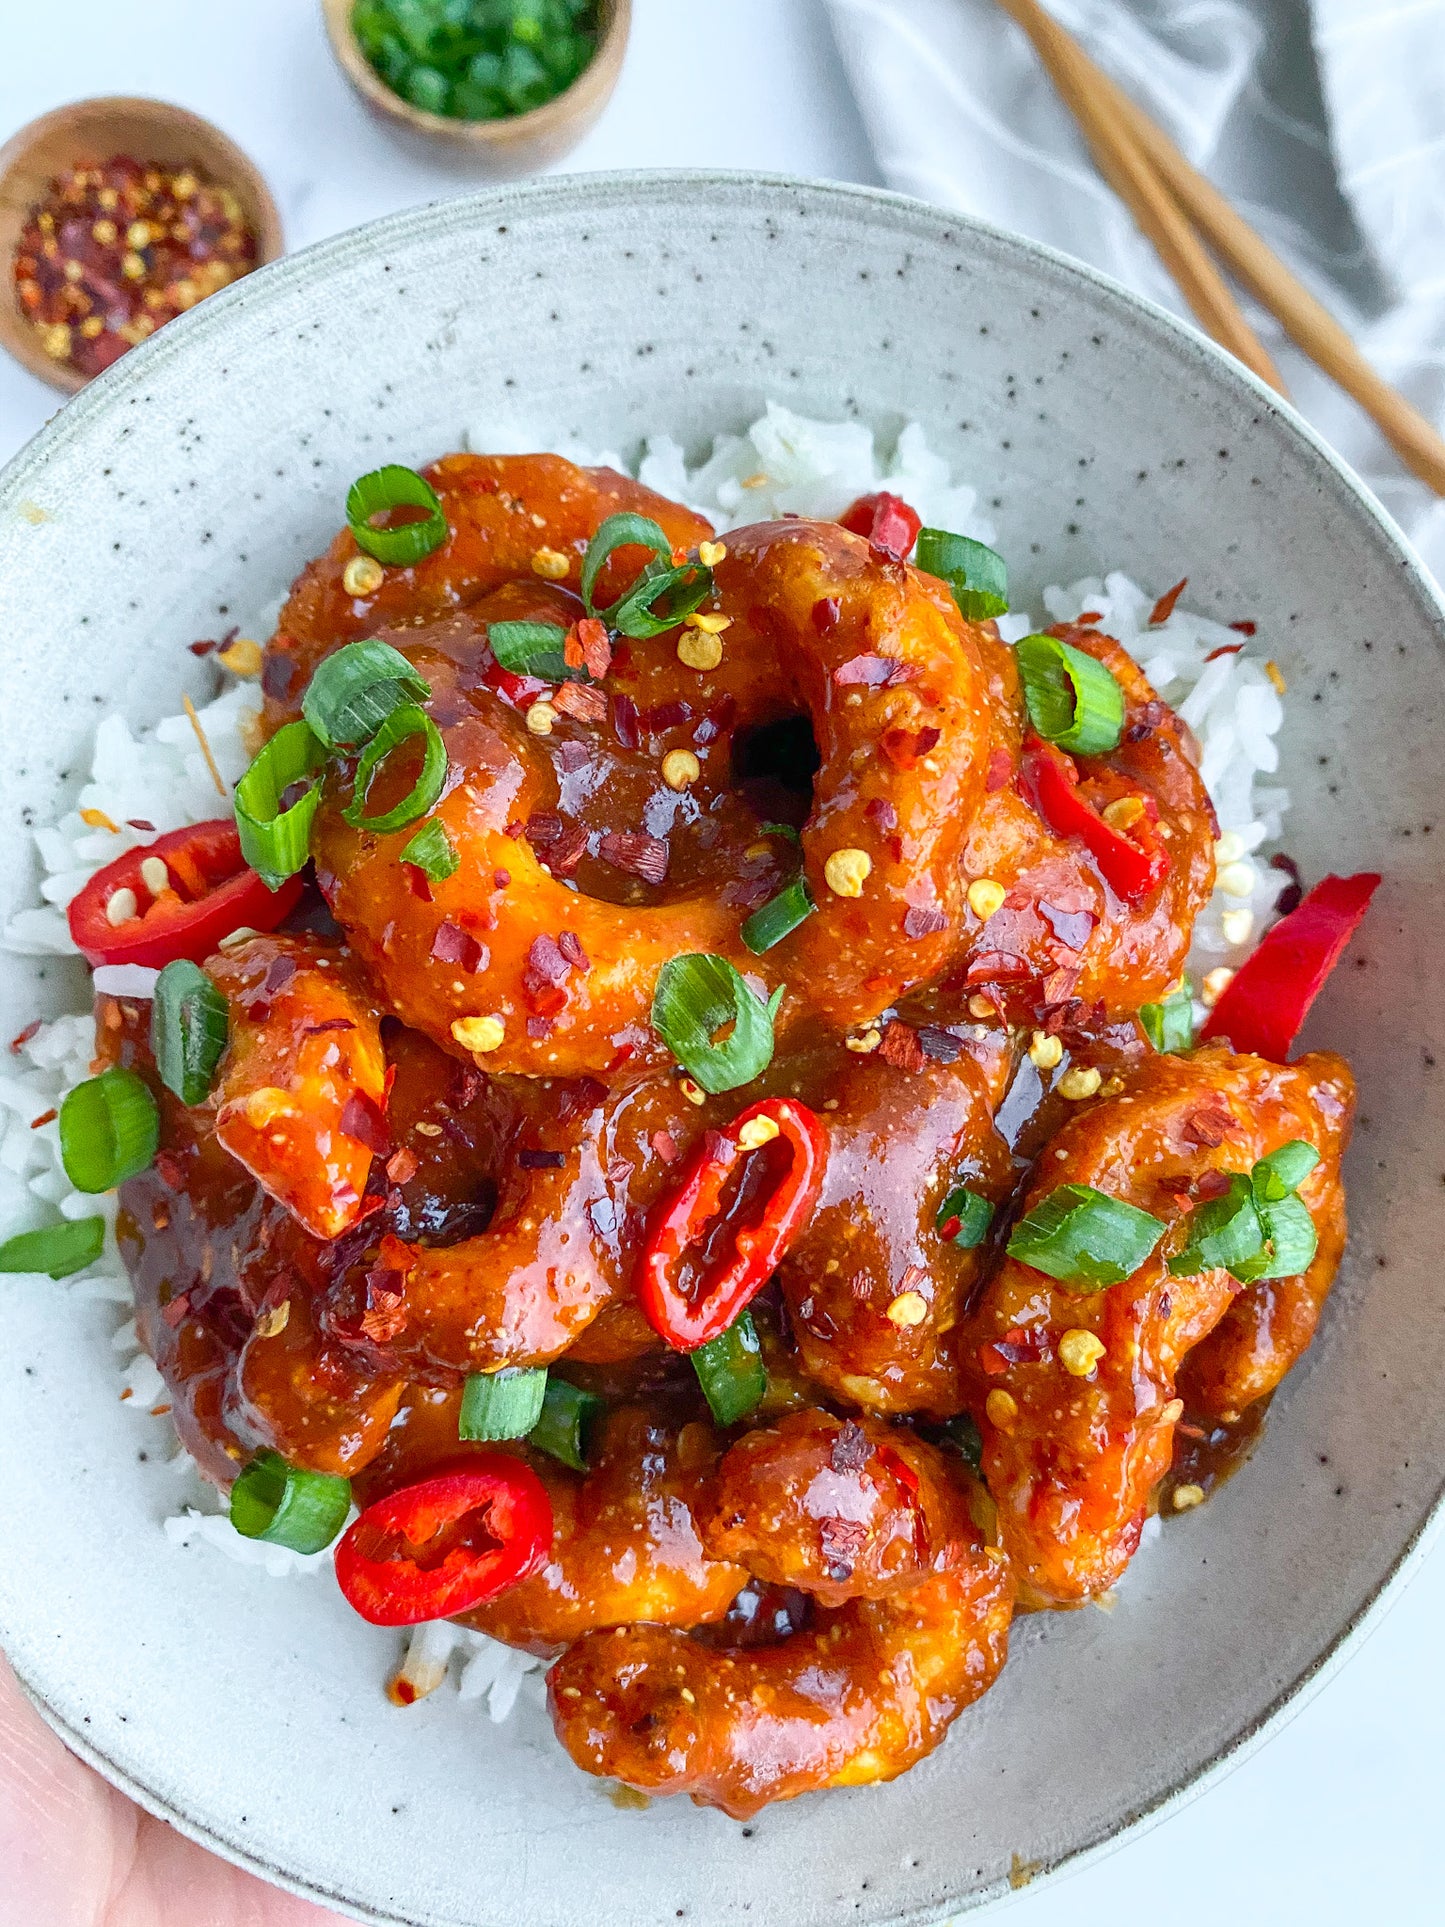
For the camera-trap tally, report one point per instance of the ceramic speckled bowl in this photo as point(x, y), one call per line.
point(193, 479)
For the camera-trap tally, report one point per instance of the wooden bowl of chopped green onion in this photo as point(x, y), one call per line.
point(512, 83)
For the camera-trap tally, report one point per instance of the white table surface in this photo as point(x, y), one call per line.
point(1335, 1821)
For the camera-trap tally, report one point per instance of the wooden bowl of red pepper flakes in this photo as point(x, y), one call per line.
point(115, 216)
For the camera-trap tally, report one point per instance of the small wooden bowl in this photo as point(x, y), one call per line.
point(522, 142)
point(151, 132)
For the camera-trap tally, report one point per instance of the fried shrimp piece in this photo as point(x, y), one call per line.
point(1060, 930)
point(300, 1099)
point(627, 1543)
point(577, 1177)
point(859, 1695)
point(874, 1289)
point(1075, 1391)
point(840, 1508)
point(508, 516)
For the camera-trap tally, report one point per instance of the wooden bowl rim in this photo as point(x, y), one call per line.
point(227, 162)
point(586, 92)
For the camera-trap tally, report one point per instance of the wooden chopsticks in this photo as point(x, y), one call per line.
point(1174, 204)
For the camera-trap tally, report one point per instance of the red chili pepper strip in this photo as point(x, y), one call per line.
point(1132, 866)
point(684, 1216)
point(448, 1544)
point(1269, 997)
point(886, 521)
point(211, 893)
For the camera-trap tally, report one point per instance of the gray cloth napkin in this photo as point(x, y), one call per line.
point(1323, 120)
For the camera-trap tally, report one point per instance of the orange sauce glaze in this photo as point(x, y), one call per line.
point(827, 1581)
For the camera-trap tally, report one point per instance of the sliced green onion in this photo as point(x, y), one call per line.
point(1170, 1026)
point(354, 691)
point(976, 574)
point(1072, 700)
point(621, 532)
point(58, 1249)
point(190, 1022)
point(400, 726)
point(532, 649)
point(276, 842)
point(432, 851)
point(962, 1432)
point(1290, 1242)
point(779, 916)
point(389, 488)
point(502, 1405)
point(278, 1502)
point(567, 1416)
point(1224, 1234)
point(785, 830)
point(973, 1215)
point(731, 1372)
point(109, 1130)
point(1085, 1238)
point(1284, 1170)
point(695, 997)
point(659, 600)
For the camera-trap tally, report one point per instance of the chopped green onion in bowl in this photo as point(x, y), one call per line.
point(477, 59)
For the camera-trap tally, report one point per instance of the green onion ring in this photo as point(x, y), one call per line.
point(621, 532)
point(1284, 1170)
point(695, 997)
point(972, 1213)
point(389, 488)
point(532, 649)
point(1072, 700)
point(433, 852)
point(974, 573)
point(190, 1023)
point(400, 726)
point(779, 916)
point(686, 588)
point(566, 1418)
point(1170, 1026)
point(501, 1405)
point(58, 1249)
point(276, 842)
point(110, 1127)
point(731, 1372)
point(285, 1506)
point(1224, 1234)
point(1084, 1238)
point(354, 691)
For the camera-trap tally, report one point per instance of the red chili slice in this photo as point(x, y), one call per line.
point(448, 1544)
point(1132, 866)
point(684, 1217)
point(886, 521)
point(211, 893)
point(1269, 997)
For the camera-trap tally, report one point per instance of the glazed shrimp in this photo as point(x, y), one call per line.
point(874, 1290)
point(508, 516)
point(1061, 932)
point(302, 1087)
point(858, 1695)
point(1072, 1455)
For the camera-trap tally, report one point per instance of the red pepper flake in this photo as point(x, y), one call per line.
point(624, 721)
point(501, 878)
point(882, 812)
point(889, 524)
point(581, 701)
point(635, 853)
point(140, 823)
point(1224, 649)
point(1164, 607)
point(1290, 897)
point(453, 945)
point(403, 1165)
point(596, 648)
point(900, 1046)
point(175, 1309)
point(584, 1095)
point(665, 716)
point(570, 944)
point(385, 1314)
point(665, 1145)
point(1073, 928)
point(841, 1542)
point(1089, 616)
point(564, 856)
point(279, 973)
point(1246, 628)
point(325, 1029)
point(939, 1044)
point(45, 1117)
point(1000, 771)
point(719, 716)
point(515, 830)
point(543, 827)
point(923, 923)
point(619, 1057)
point(1208, 1127)
point(870, 670)
point(201, 648)
point(18, 1042)
point(540, 1028)
point(571, 756)
point(904, 748)
point(850, 1449)
point(826, 611)
point(417, 882)
point(363, 1120)
point(1211, 1184)
point(169, 1169)
point(546, 965)
point(542, 1160)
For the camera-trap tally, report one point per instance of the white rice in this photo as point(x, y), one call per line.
point(784, 463)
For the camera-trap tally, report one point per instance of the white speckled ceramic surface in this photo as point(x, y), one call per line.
point(193, 480)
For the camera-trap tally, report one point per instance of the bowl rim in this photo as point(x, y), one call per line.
point(515, 202)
